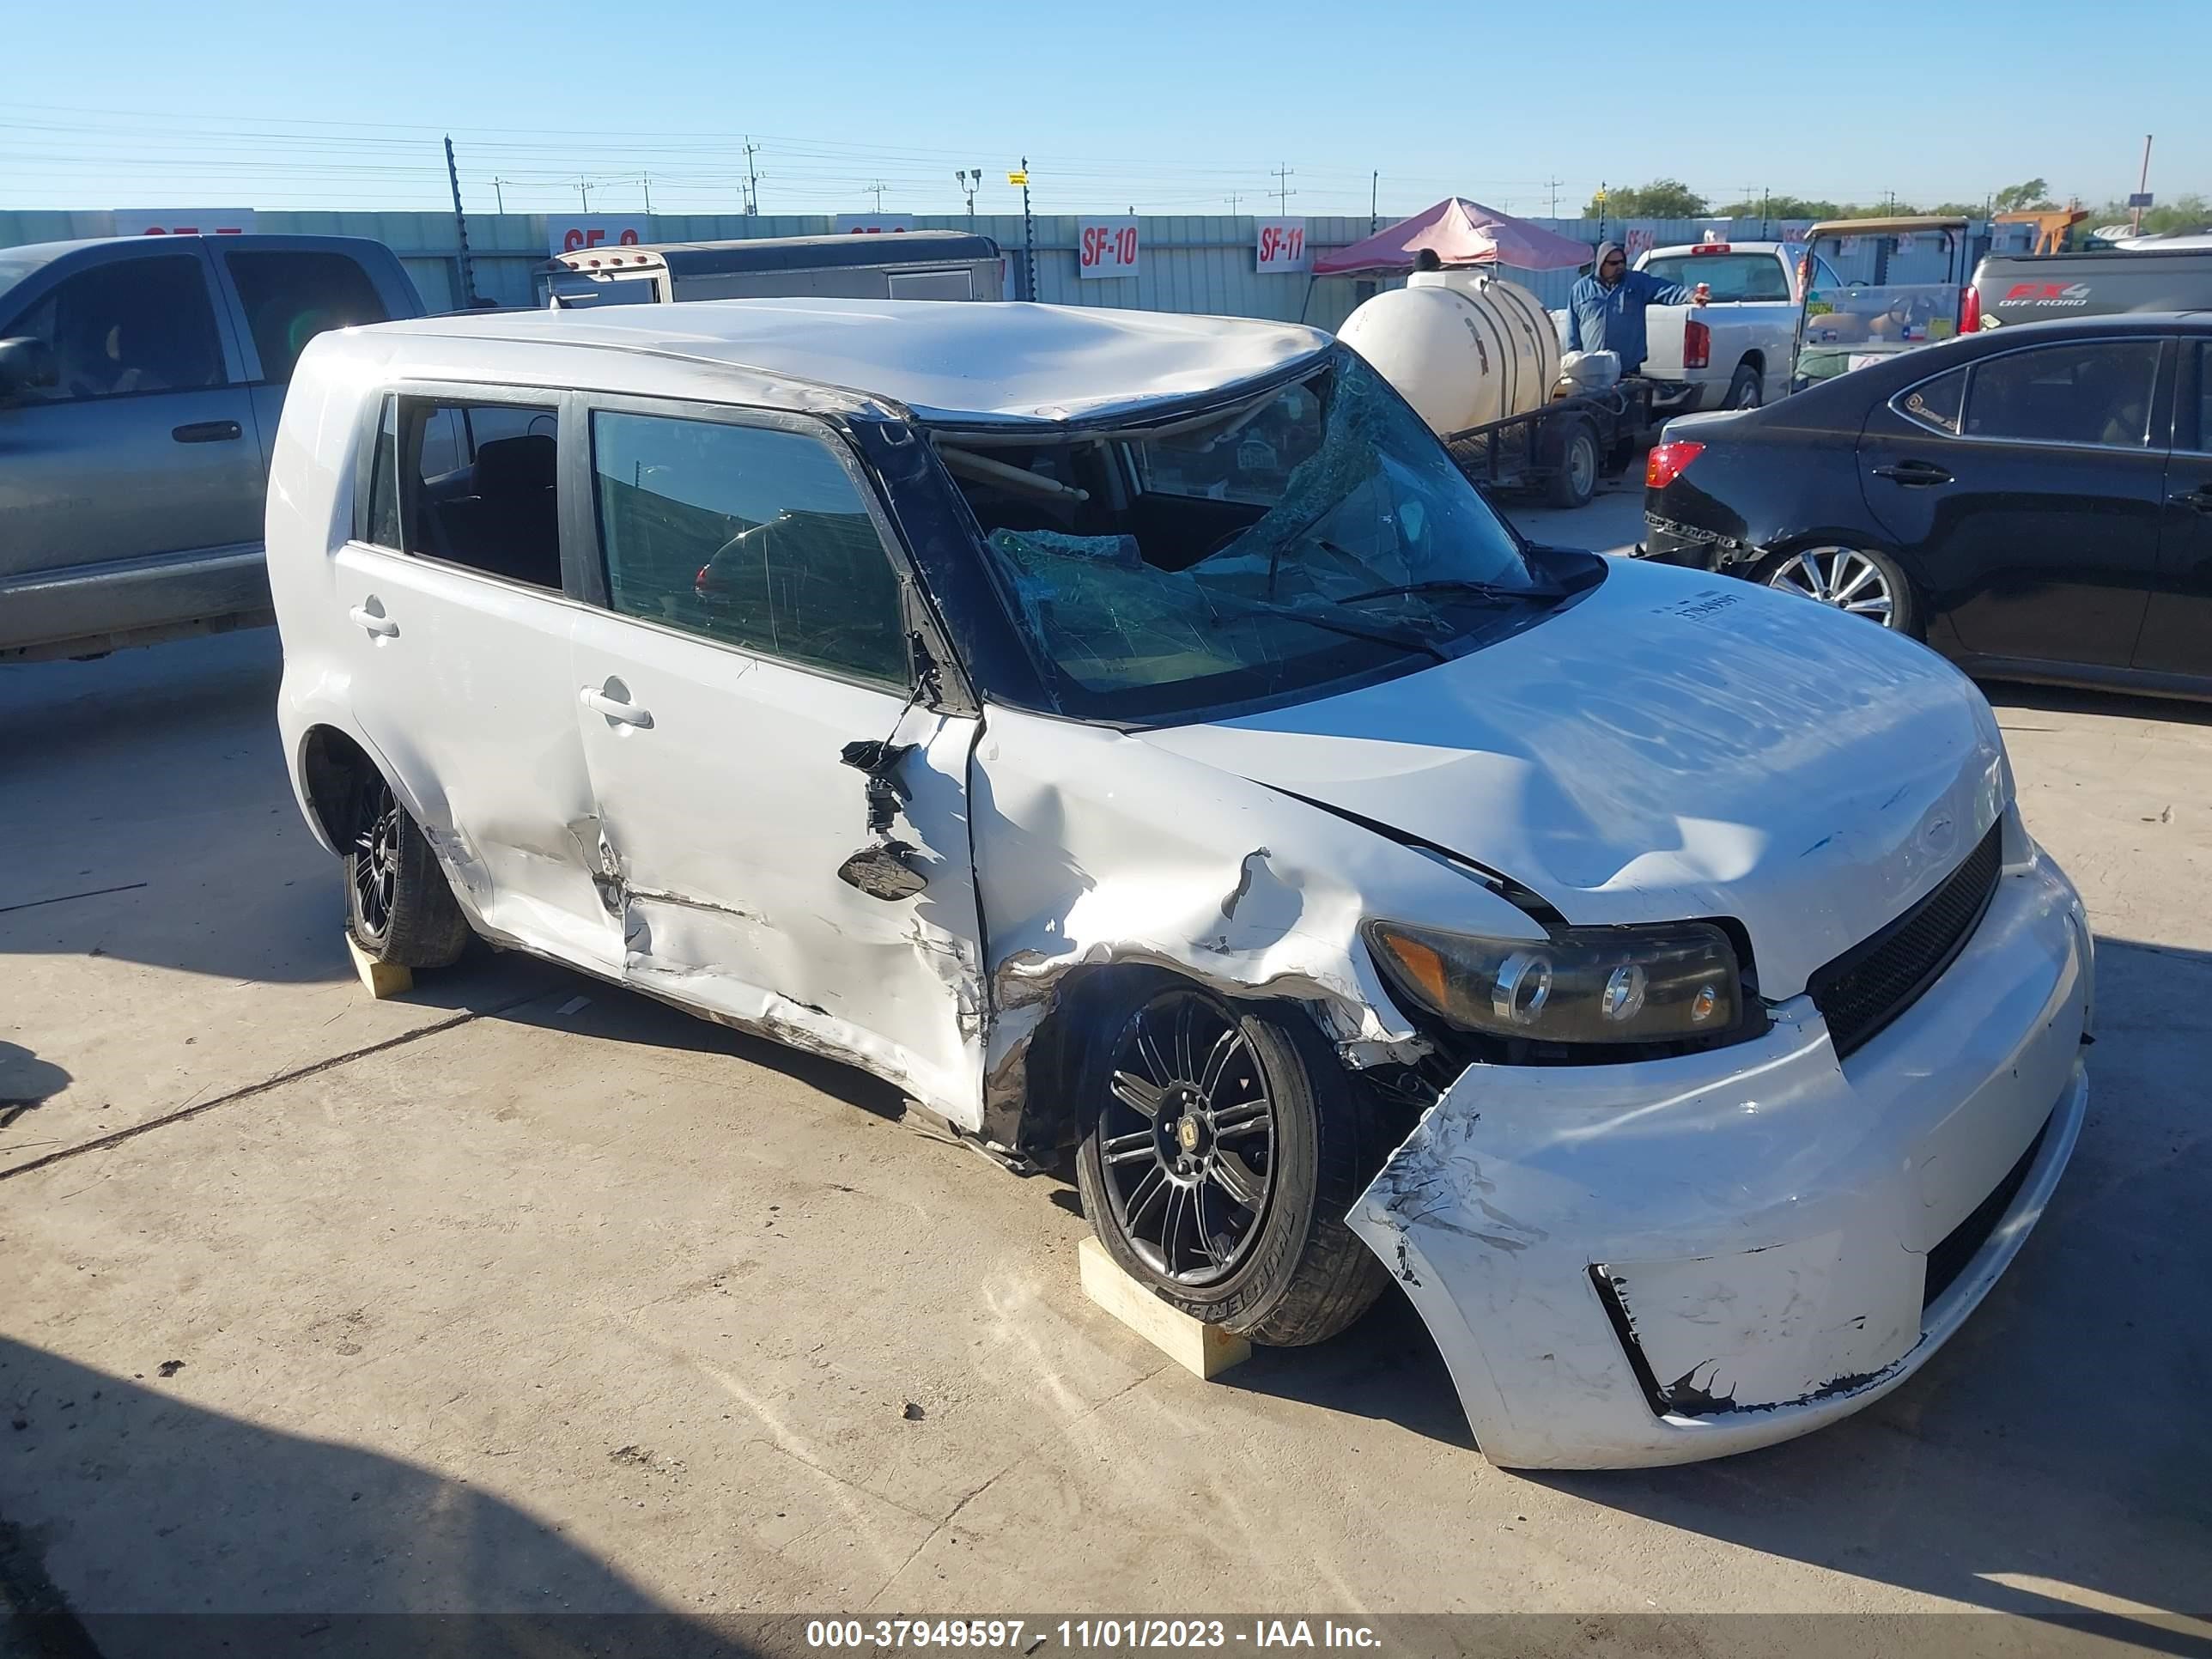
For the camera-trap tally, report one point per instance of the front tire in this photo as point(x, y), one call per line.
point(1858, 580)
point(1223, 1148)
point(398, 907)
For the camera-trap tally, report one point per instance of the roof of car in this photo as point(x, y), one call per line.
point(948, 362)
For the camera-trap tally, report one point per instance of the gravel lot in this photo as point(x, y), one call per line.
point(523, 1293)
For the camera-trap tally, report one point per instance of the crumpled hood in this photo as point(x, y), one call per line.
point(1674, 745)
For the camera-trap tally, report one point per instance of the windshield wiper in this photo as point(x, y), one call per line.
point(1497, 592)
point(1402, 641)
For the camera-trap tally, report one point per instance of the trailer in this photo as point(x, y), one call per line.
point(1560, 449)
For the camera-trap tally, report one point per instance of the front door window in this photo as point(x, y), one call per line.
point(753, 536)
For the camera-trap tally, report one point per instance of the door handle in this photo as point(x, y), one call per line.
point(615, 707)
point(1913, 473)
point(2200, 498)
point(375, 622)
point(207, 431)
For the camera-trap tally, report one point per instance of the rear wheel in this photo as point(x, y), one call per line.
point(1858, 580)
point(1225, 1148)
point(398, 907)
point(1574, 480)
point(1748, 390)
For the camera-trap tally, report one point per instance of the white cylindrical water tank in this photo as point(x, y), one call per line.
point(1463, 349)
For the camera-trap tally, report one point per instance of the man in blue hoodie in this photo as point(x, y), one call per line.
point(1605, 311)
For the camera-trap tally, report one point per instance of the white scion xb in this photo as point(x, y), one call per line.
point(1129, 734)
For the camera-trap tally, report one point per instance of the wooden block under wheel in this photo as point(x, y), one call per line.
point(379, 979)
point(1203, 1350)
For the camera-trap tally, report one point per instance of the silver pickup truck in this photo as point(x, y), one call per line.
point(1735, 352)
point(141, 378)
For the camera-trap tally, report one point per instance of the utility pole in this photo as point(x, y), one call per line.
point(1028, 232)
point(2142, 188)
point(584, 190)
point(461, 226)
point(647, 180)
point(1233, 199)
point(499, 195)
point(1374, 195)
point(1553, 185)
point(968, 179)
point(1282, 191)
point(876, 190)
point(752, 179)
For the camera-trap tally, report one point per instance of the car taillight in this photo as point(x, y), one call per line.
point(704, 581)
point(1970, 310)
point(1665, 463)
point(1697, 345)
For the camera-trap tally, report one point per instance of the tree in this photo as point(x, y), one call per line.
point(1662, 199)
point(1779, 207)
point(2033, 196)
point(2186, 213)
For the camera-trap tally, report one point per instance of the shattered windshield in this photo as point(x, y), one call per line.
point(1298, 539)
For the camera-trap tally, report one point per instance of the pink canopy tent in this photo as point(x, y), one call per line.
point(1463, 232)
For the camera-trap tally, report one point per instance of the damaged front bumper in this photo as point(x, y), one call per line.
point(1673, 1259)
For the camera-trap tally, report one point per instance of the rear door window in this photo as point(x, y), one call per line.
point(2096, 393)
point(125, 327)
point(468, 485)
point(291, 295)
point(1936, 403)
point(756, 536)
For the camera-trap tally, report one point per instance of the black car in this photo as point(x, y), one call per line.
point(2034, 501)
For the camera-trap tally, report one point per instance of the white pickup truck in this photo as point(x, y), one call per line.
point(1733, 353)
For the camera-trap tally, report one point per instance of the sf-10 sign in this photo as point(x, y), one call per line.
point(1282, 246)
point(1106, 248)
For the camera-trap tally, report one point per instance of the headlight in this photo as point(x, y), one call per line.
point(1653, 984)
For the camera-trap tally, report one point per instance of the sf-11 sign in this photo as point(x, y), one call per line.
point(1106, 248)
point(1282, 246)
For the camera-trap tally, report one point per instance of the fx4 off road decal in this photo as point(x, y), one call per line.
point(2045, 296)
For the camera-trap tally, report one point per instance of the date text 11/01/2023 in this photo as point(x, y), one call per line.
point(1027, 1636)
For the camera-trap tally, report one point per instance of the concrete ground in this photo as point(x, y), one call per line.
point(523, 1293)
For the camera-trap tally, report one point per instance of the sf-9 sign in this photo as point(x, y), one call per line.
point(1106, 248)
point(582, 234)
point(1282, 246)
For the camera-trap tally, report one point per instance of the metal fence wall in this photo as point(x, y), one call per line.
point(1204, 263)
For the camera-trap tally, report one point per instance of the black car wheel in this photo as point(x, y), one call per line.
point(1858, 580)
point(1224, 1150)
point(1748, 390)
point(398, 907)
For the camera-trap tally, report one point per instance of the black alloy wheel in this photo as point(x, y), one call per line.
point(373, 867)
point(1189, 1136)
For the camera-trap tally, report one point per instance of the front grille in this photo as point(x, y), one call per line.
point(1879, 978)
point(1958, 1246)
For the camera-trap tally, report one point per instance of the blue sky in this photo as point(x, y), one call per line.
point(1167, 108)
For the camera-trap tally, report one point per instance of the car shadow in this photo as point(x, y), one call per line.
point(578, 1005)
point(27, 1082)
point(2018, 695)
point(133, 1523)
